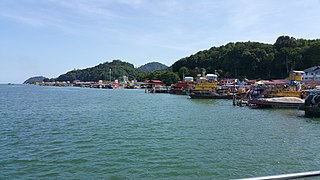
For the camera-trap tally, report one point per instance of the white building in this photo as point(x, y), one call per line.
point(188, 79)
point(312, 73)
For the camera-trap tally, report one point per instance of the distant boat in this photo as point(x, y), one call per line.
point(10, 84)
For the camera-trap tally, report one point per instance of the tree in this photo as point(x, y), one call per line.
point(183, 70)
point(203, 70)
point(169, 77)
point(218, 72)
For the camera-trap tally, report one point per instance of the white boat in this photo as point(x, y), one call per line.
point(277, 102)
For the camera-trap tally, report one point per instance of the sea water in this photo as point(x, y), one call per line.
point(83, 133)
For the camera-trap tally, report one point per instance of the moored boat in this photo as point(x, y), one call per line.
point(278, 88)
point(204, 88)
point(208, 88)
point(312, 112)
point(180, 88)
point(277, 102)
point(311, 106)
point(209, 95)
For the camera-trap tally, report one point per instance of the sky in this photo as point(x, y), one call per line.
point(52, 37)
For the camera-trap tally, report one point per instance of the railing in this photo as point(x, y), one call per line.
point(286, 176)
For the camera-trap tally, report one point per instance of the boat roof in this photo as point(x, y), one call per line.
point(301, 72)
point(277, 81)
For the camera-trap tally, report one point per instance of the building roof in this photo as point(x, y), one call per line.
point(312, 69)
point(153, 81)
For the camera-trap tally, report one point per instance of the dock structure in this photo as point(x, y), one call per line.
point(159, 90)
point(241, 103)
point(155, 86)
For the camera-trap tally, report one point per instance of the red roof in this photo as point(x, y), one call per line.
point(153, 81)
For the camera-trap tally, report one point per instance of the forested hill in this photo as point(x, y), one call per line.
point(102, 72)
point(254, 59)
point(34, 79)
point(152, 66)
point(241, 59)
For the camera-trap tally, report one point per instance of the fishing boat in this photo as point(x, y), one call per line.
point(207, 87)
point(278, 88)
point(209, 95)
point(277, 93)
point(180, 88)
point(277, 102)
point(312, 112)
point(204, 88)
point(311, 105)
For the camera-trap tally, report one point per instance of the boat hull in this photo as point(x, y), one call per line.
point(312, 112)
point(210, 96)
point(266, 103)
point(178, 92)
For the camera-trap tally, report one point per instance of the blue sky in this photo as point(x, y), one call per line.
point(51, 37)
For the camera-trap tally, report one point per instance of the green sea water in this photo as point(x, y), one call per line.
point(82, 133)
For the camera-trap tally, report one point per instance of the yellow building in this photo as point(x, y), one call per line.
point(296, 75)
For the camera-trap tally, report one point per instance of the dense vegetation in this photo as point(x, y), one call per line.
point(167, 76)
point(253, 59)
point(118, 69)
point(152, 66)
point(102, 71)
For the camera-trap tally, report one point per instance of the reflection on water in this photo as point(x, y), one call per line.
point(204, 101)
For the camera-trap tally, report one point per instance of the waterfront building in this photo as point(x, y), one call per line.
point(312, 73)
point(151, 84)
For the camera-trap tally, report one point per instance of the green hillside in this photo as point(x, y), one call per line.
point(102, 72)
point(118, 70)
point(254, 59)
point(152, 66)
